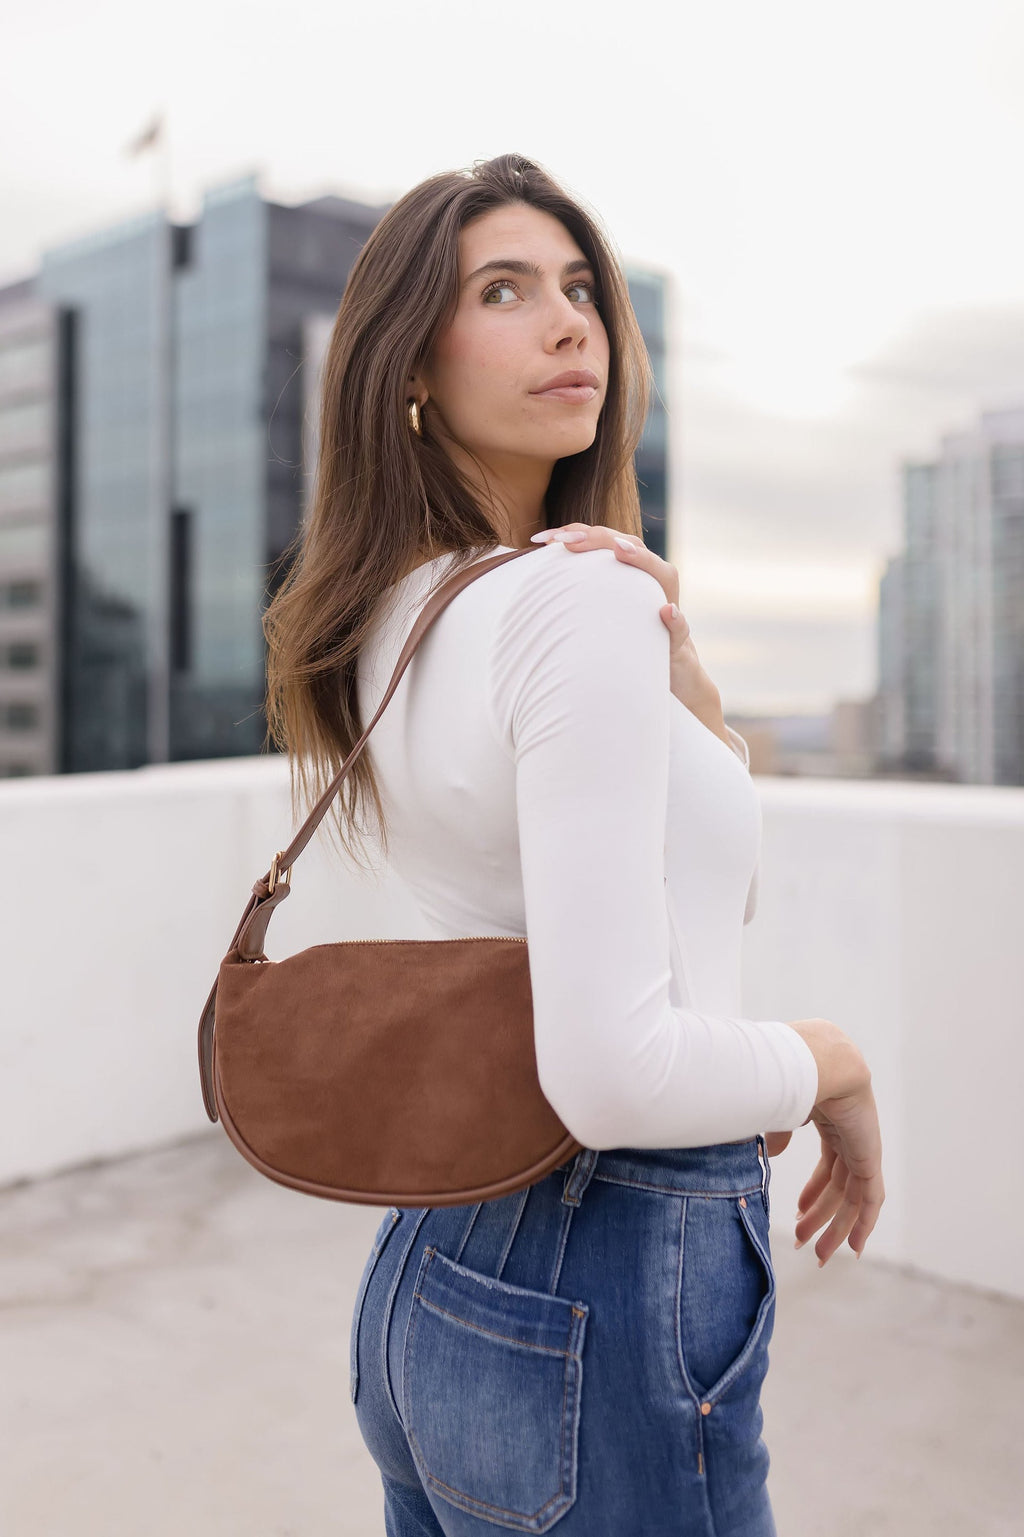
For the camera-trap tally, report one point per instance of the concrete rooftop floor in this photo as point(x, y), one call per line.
point(174, 1348)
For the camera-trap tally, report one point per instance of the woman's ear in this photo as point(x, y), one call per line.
point(416, 389)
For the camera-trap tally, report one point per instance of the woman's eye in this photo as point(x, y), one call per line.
point(506, 286)
point(496, 288)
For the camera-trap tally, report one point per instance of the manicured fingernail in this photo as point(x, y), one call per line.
point(799, 1243)
point(821, 1264)
point(675, 612)
point(540, 538)
point(567, 536)
point(627, 544)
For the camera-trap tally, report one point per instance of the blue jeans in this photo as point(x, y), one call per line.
point(586, 1354)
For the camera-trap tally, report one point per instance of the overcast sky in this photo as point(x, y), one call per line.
point(833, 187)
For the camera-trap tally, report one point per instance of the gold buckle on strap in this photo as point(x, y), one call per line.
point(272, 881)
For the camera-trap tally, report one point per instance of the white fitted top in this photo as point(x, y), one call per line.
point(541, 780)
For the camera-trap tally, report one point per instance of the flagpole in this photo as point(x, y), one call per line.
point(164, 166)
point(160, 671)
point(158, 679)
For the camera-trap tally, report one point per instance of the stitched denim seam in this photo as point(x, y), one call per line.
point(492, 1283)
point(638, 1184)
point(390, 1306)
point(548, 1350)
point(677, 1321)
point(357, 1310)
point(559, 1257)
point(394, 1215)
point(471, 1505)
point(469, 1228)
point(515, 1228)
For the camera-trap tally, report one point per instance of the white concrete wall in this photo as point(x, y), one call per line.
point(892, 908)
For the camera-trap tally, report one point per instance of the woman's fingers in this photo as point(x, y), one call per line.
point(870, 1207)
point(818, 1180)
point(850, 1205)
point(824, 1206)
point(843, 1222)
point(855, 1219)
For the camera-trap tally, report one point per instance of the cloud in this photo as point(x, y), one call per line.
point(972, 350)
point(776, 666)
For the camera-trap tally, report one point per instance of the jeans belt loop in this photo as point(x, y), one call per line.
point(767, 1176)
point(578, 1177)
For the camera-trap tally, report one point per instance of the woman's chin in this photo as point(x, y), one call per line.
point(573, 438)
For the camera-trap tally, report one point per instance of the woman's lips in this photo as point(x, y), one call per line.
point(572, 392)
point(576, 385)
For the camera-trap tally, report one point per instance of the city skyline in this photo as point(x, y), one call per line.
point(837, 307)
point(158, 409)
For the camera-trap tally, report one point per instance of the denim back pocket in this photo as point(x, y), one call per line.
point(727, 1290)
point(384, 1232)
point(491, 1394)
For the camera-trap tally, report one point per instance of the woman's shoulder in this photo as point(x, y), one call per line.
point(592, 581)
point(573, 636)
point(535, 594)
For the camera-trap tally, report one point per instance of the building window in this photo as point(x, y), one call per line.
point(27, 594)
point(181, 589)
point(20, 655)
point(22, 716)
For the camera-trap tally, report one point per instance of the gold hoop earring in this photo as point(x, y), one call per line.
point(414, 418)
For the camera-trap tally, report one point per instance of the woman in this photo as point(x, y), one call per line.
point(586, 1353)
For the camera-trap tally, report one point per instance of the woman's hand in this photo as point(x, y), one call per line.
point(846, 1189)
point(687, 679)
point(846, 1185)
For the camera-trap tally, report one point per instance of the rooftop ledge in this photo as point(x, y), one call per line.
point(889, 906)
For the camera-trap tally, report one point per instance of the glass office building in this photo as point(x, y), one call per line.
point(35, 342)
point(952, 667)
point(193, 364)
point(116, 285)
point(187, 481)
point(647, 290)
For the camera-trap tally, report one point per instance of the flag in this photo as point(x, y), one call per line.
point(147, 137)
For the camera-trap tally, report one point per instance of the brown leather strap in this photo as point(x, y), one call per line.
point(249, 941)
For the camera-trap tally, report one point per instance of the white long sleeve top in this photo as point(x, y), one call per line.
point(541, 780)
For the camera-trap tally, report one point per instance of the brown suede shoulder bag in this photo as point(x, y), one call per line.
point(397, 1072)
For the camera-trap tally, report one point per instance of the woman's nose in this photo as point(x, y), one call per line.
point(570, 321)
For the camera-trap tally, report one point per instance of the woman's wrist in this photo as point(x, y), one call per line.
point(842, 1069)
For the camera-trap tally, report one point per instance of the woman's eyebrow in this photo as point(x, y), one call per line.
point(524, 268)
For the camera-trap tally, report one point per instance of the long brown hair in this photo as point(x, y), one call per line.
point(384, 499)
